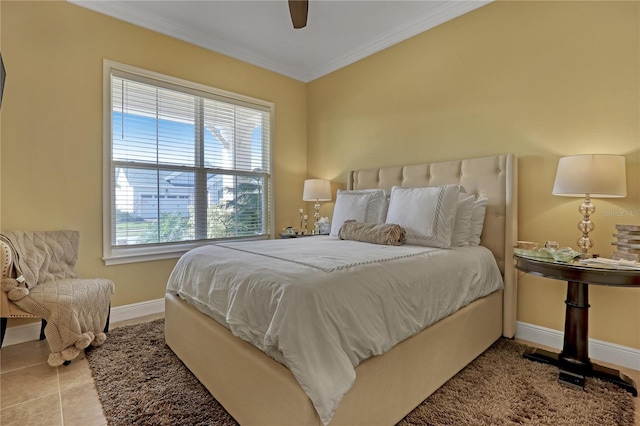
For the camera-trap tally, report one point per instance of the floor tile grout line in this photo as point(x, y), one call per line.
point(45, 395)
point(23, 367)
point(32, 399)
point(60, 396)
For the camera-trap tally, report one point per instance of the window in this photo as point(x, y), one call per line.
point(185, 165)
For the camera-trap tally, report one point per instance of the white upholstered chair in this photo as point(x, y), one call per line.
point(9, 309)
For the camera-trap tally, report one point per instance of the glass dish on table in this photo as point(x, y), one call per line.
point(562, 254)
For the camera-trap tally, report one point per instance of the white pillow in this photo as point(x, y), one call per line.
point(426, 214)
point(477, 221)
point(362, 205)
point(462, 224)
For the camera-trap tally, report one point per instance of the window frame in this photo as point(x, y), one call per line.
point(113, 255)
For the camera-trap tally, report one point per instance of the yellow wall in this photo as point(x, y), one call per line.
point(1, 126)
point(52, 125)
point(538, 79)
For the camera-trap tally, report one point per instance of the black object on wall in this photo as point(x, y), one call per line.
point(3, 75)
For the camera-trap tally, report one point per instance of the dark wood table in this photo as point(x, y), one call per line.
point(573, 362)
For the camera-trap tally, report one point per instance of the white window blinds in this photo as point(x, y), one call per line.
point(187, 165)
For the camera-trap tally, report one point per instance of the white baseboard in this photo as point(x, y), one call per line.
point(598, 350)
point(28, 332)
point(137, 310)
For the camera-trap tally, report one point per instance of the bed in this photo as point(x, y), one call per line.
point(256, 388)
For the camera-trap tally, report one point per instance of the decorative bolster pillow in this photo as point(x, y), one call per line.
point(376, 233)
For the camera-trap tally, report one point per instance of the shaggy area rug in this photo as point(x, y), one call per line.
point(140, 381)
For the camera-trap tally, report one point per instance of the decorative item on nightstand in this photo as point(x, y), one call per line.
point(303, 223)
point(316, 190)
point(590, 175)
point(325, 226)
point(627, 243)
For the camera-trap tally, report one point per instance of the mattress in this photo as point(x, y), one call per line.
point(320, 306)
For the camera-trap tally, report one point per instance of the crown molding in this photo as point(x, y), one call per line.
point(129, 13)
point(126, 11)
point(443, 13)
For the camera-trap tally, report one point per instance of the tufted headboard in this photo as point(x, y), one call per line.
point(495, 178)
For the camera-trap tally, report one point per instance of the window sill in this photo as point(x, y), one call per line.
point(119, 256)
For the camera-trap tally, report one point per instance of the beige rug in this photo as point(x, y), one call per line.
point(140, 381)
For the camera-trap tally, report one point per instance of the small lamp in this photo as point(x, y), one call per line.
point(590, 175)
point(316, 190)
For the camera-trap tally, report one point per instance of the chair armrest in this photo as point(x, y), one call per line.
point(11, 310)
point(8, 309)
point(5, 308)
point(6, 260)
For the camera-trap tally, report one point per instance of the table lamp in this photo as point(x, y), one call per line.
point(590, 175)
point(316, 190)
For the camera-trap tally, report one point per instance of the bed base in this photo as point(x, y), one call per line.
point(256, 390)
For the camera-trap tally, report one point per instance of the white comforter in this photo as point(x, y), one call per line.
point(320, 305)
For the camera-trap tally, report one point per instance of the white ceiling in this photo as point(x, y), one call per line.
point(260, 32)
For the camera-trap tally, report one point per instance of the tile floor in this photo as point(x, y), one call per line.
point(34, 394)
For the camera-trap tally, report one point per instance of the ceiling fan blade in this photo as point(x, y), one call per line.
point(299, 10)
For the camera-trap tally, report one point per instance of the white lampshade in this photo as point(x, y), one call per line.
point(594, 175)
point(316, 190)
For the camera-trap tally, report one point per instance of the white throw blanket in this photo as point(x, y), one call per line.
point(39, 257)
point(45, 284)
point(321, 305)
